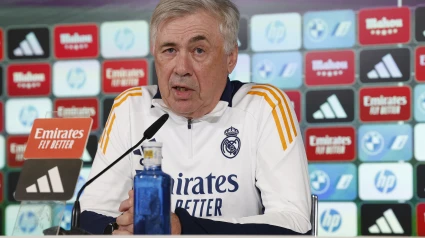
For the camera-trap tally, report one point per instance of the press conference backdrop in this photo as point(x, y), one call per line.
point(354, 71)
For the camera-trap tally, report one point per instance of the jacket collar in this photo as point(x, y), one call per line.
point(220, 108)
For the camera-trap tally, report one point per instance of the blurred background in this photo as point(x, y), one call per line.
point(354, 71)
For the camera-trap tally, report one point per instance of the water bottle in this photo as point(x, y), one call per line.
point(152, 194)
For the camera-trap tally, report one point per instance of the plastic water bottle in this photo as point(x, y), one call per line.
point(152, 194)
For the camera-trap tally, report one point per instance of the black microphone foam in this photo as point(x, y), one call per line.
point(151, 131)
point(148, 134)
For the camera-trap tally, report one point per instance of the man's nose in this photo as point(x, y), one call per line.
point(183, 64)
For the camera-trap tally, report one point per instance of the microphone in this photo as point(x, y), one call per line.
point(148, 134)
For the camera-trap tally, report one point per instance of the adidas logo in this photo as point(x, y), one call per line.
point(387, 224)
point(342, 29)
point(29, 47)
point(288, 70)
point(43, 183)
point(387, 68)
point(330, 109)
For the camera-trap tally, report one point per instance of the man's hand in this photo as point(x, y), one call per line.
point(125, 220)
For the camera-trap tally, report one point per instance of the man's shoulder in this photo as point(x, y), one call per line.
point(139, 97)
point(259, 97)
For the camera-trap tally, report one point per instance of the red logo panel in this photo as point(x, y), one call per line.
point(1, 44)
point(29, 79)
point(15, 148)
point(420, 215)
point(384, 26)
point(420, 63)
point(330, 68)
point(330, 144)
point(124, 74)
point(385, 104)
point(76, 41)
point(295, 97)
point(79, 107)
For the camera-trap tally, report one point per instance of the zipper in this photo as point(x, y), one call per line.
point(189, 127)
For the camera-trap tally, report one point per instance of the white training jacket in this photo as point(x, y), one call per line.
point(244, 162)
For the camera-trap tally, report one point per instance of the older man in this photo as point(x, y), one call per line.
point(259, 186)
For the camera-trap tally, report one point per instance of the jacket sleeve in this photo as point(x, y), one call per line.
point(281, 175)
point(101, 199)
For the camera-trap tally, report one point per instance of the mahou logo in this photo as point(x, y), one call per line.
point(81, 107)
point(76, 41)
point(330, 68)
point(15, 148)
point(121, 75)
point(29, 79)
point(385, 104)
point(420, 63)
point(330, 144)
point(384, 26)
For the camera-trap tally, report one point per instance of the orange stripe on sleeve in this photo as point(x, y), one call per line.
point(285, 121)
point(275, 116)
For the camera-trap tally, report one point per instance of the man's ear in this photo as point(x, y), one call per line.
point(232, 59)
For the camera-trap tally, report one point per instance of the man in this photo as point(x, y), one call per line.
point(234, 150)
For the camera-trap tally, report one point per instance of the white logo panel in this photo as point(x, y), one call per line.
point(21, 113)
point(337, 219)
point(385, 181)
point(419, 140)
point(76, 78)
point(29, 220)
point(124, 39)
point(242, 71)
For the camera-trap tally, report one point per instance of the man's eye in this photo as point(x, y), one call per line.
point(170, 50)
point(199, 51)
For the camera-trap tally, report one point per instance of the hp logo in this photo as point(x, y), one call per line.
point(76, 78)
point(27, 222)
point(330, 220)
point(320, 182)
point(124, 39)
point(276, 32)
point(27, 115)
point(385, 181)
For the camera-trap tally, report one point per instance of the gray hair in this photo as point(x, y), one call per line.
point(226, 12)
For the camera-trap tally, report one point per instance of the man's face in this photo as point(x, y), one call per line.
point(191, 63)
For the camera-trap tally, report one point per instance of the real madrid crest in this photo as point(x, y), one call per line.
point(231, 145)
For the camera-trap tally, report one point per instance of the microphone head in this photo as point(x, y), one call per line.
point(151, 131)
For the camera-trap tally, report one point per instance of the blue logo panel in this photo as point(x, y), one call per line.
point(329, 29)
point(383, 142)
point(333, 181)
point(419, 108)
point(283, 70)
point(273, 32)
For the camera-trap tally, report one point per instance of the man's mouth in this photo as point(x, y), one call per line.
point(181, 89)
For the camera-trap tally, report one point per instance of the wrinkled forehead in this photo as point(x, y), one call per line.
point(196, 26)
